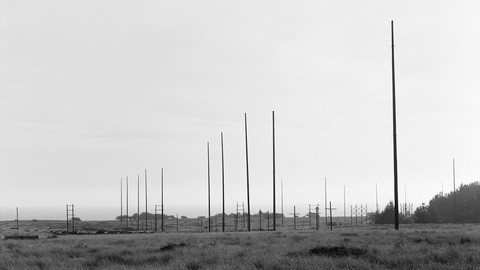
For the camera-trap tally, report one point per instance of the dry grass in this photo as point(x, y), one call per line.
point(413, 247)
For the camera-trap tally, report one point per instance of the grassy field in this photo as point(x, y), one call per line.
point(448, 246)
point(46, 227)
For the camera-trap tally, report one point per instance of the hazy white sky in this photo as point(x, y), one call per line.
point(95, 91)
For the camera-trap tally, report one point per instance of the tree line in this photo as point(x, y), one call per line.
point(462, 206)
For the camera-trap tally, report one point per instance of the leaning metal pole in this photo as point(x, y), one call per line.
point(395, 169)
point(248, 183)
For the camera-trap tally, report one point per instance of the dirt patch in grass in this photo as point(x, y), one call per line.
point(172, 246)
point(465, 240)
point(194, 265)
point(349, 234)
point(330, 251)
point(337, 251)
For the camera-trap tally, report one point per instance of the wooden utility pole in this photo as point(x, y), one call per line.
point(138, 202)
point(17, 221)
point(326, 206)
point(331, 216)
point(223, 185)
point(281, 185)
point(395, 169)
point(208, 171)
point(146, 202)
point(248, 183)
point(127, 202)
point(274, 208)
point(331, 220)
point(294, 218)
point(121, 202)
point(162, 202)
point(454, 188)
point(344, 205)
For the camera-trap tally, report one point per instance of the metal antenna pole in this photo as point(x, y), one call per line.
point(395, 169)
point(146, 202)
point(248, 183)
point(223, 186)
point(138, 202)
point(162, 201)
point(376, 198)
point(274, 208)
point(208, 170)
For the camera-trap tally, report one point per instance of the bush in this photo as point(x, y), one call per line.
point(421, 214)
point(387, 216)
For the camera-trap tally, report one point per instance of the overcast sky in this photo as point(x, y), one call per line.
point(95, 91)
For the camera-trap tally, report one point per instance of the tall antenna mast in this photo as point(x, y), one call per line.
point(376, 197)
point(395, 169)
point(223, 186)
point(274, 208)
point(248, 183)
point(208, 171)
